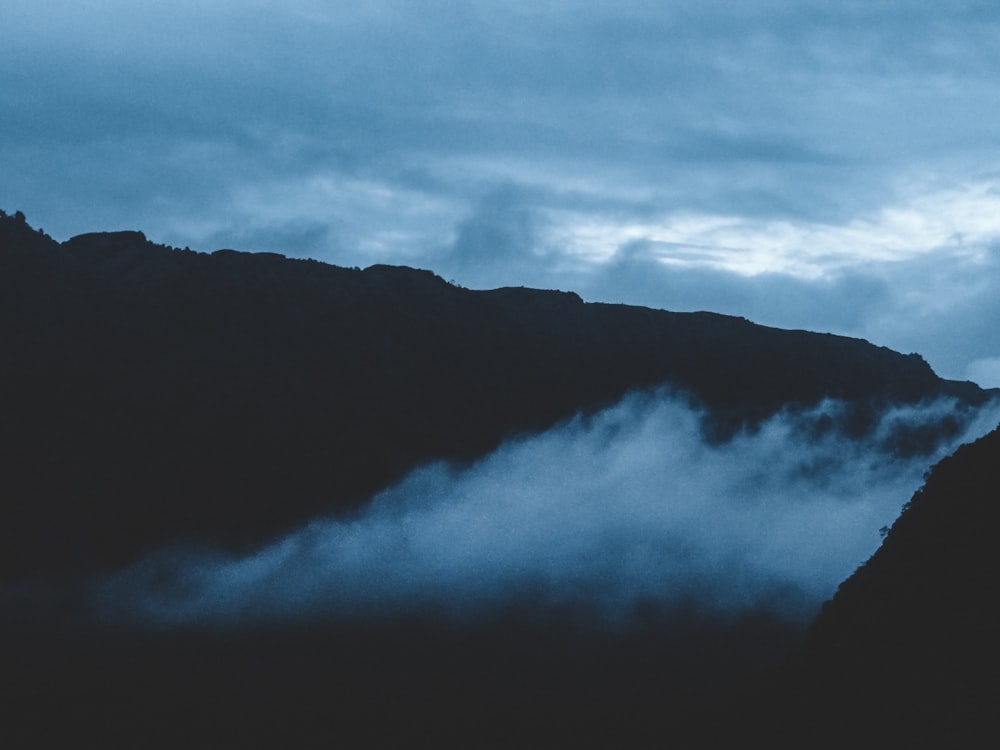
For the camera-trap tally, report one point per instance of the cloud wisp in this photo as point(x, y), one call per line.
point(630, 511)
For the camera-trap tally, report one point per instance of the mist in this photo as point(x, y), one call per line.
point(614, 516)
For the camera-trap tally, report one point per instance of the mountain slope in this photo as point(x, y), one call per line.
point(907, 648)
point(153, 394)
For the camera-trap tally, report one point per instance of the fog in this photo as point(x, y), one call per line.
point(612, 517)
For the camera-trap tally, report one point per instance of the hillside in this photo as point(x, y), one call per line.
point(152, 394)
point(907, 647)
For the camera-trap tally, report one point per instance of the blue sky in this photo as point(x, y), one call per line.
point(824, 165)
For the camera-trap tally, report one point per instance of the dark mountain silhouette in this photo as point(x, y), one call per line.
point(152, 394)
point(907, 649)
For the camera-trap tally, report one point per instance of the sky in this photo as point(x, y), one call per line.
point(832, 166)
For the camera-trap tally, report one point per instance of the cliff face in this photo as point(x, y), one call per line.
point(151, 394)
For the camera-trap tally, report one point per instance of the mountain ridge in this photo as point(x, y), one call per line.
point(156, 396)
point(209, 384)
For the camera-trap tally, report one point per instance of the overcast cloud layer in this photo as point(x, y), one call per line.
point(812, 164)
point(627, 512)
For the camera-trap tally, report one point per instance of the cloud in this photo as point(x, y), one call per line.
point(678, 278)
point(496, 245)
point(758, 110)
point(626, 511)
point(943, 305)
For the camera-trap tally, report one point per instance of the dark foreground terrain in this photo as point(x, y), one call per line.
point(502, 684)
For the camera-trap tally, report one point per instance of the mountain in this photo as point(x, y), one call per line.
point(152, 394)
point(907, 648)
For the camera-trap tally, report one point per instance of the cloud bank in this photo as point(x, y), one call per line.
point(623, 513)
